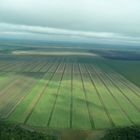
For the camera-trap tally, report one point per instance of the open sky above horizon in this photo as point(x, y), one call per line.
point(110, 21)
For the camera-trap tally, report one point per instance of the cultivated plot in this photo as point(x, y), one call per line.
point(68, 93)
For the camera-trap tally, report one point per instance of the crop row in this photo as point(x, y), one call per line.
point(25, 107)
point(122, 97)
point(73, 95)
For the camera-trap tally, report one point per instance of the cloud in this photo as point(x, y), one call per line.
point(6, 27)
point(42, 32)
point(117, 16)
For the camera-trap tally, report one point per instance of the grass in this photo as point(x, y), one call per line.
point(121, 119)
point(21, 112)
point(129, 69)
point(46, 101)
point(119, 94)
point(97, 112)
point(67, 92)
point(10, 97)
point(80, 112)
point(61, 114)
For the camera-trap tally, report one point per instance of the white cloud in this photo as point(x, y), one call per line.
point(120, 16)
point(6, 27)
point(40, 31)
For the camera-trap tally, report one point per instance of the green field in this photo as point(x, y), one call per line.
point(67, 92)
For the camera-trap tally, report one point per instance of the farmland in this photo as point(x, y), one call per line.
point(66, 91)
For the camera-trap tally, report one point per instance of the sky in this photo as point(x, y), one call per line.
point(110, 21)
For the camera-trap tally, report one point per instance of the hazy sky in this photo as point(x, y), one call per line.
point(109, 20)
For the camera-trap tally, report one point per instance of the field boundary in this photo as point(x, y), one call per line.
point(71, 104)
point(114, 97)
point(51, 114)
point(122, 79)
point(123, 93)
point(100, 98)
point(22, 98)
point(41, 94)
point(85, 94)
